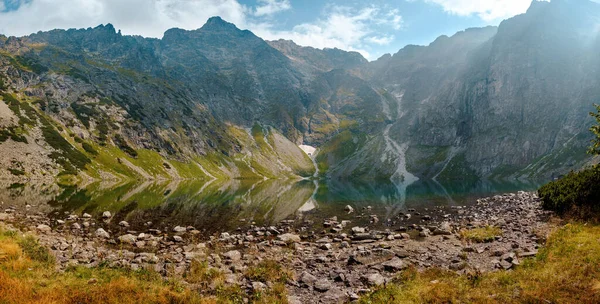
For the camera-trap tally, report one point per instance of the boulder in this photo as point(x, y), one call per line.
point(127, 239)
point(101, 233)
point(43, 228)
point(289, 237)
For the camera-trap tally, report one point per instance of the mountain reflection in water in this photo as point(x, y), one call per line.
point(225, 205)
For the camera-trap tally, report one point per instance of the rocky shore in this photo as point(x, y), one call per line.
point(335, 263)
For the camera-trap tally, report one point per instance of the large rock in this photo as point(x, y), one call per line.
point(373, 279)
point(127, 239)
point(101, 233)
point(43, 228)
point(233, 255)
point(307, 278)
point(289, 237)
point(394, 265)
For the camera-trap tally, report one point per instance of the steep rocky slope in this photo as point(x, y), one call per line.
point(219, 102)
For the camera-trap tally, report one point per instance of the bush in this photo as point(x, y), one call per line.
point(577, 192)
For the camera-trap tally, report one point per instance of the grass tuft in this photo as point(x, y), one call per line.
point(481, 235)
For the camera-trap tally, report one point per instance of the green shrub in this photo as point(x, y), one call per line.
point(576, 192)
point(88, 148)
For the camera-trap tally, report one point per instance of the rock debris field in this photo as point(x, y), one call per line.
point(334, 264)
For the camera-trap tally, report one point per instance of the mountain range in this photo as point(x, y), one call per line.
point(218, 102)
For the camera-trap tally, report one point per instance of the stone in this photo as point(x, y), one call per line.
point(289, 237)
point(349, 209)
point(322, 285)
point(233, 255)
point(394, 265)
point(258, 286)
point(86, 215)
point(326, 246)
point(177, 239)
point(373, 279)
point(60, 222)
point(127, 239)
point(425, 233)
point(75, 226)
point(307, 278)
point(356, 230)
point(106, 214)
point(179, 229)
point(527, 254)
point(43, 228)
point(5, 216)
point(401, 253)
point(101, 233)
point(443, 229)
point(123, 224)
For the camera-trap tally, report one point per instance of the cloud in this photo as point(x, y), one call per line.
point(382, 40)
point(487, 10)
point(270, 7)
point(149, 18)
point(339, 27)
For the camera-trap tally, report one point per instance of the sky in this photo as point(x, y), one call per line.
point(373, 27)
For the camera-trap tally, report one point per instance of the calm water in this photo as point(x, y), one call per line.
point(218, 206)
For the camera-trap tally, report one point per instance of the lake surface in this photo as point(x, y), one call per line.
point(217, 206)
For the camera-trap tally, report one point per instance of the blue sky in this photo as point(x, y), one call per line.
point(372, 28)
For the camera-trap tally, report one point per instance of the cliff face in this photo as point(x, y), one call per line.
point(219, 102)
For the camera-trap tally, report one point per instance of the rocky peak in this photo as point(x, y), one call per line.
point(217, 24)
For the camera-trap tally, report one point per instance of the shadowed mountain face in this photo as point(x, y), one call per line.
point(219, 102)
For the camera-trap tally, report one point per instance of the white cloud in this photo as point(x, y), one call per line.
point(270, 7)
point(341, 27)
point(487, 10)
point(382, 40)
point(149, 18)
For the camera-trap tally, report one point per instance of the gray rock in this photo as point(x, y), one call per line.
point(394, 265)
point(85, 215)
point(258, 286)
point(322, 285)
point(289, 237)
point(307, 278)
point(177, 238)
point(401, 253)
point(357, 230)
point(179, 229)
point(43, 228)
point(326, 246)
point(127, 239)
point(101, 233)
point(233, 255)
point(123, 224)
point(373, 279)
point(106, 214)
point(443, 229)
point(349, 209)
point(75, 226)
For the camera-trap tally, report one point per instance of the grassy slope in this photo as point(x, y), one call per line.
point(567, 270)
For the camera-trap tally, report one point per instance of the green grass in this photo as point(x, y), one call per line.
point(481, 235)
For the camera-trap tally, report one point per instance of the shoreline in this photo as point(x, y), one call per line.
point(335, 263)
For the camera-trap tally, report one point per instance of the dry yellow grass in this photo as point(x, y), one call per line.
point(27, 275)
point(566, 271)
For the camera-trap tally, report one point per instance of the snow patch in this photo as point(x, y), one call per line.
point(309, 150)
